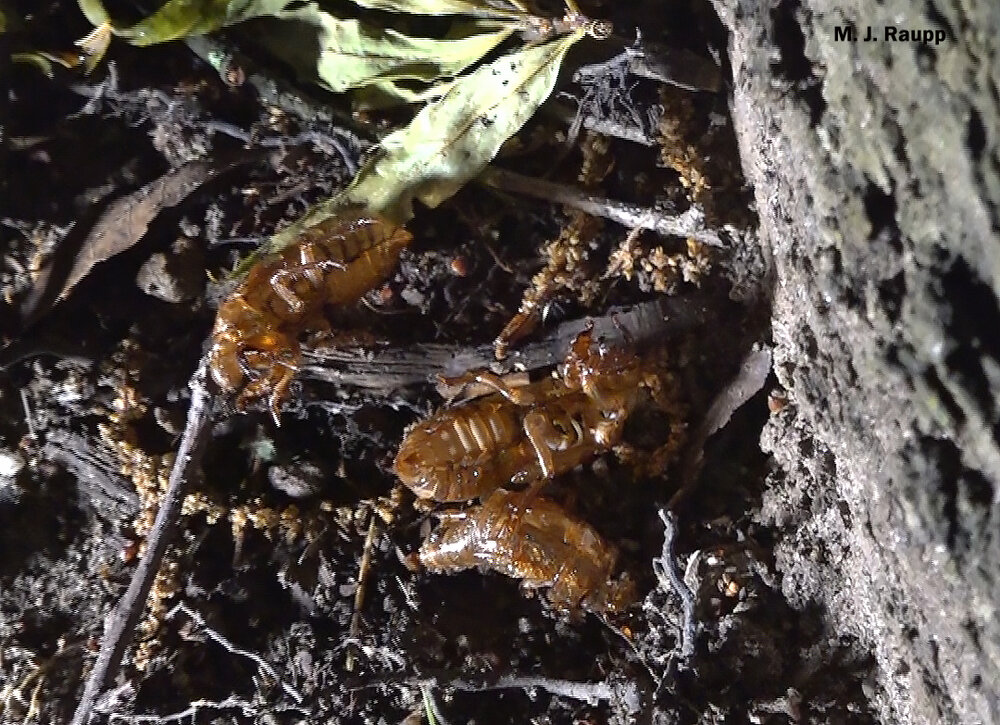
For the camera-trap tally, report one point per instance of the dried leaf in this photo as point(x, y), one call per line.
point(181, 18)
point(476, 8)
point(124, 223)
point(343, 53)
point(749, 380)
point(451, 140)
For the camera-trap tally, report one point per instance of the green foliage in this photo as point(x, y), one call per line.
point(474, 8)
point(10, 22)
point(343, 54)
point(470, 113)
point(450, 141)
point(181, 18)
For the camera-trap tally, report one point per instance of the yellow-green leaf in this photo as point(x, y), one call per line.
point(181, 18)
point(388, 93)
point(477, 8)
point(343, 53)
point(451, 140)
point(39, 60)
point(94, 11)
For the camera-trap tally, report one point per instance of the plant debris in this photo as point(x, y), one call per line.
point(258, 573)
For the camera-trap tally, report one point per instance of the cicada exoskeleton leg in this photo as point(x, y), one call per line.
point(312, 267)
point(516, 395)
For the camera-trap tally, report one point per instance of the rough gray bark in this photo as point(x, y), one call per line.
point(877, 177)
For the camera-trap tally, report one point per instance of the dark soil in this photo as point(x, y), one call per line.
point(839, 536)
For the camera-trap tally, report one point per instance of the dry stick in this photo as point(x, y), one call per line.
point(28, 417)
point(394, 367)
point(317, 138)
point(669, 576)
point(359, 594)
point(190, 712)
point(120, 625)
point(625, 692)
point(590, 692)
point(606, 127)
point(689, 224)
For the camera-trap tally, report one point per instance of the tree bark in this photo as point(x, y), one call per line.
point(877, 179)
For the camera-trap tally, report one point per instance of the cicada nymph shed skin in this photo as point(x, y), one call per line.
point(540, 544)
point(522, 435)
point(255, 349)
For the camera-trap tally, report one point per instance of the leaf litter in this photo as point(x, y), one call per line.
point(429, 180)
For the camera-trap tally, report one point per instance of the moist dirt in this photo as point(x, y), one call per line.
point(288, 593)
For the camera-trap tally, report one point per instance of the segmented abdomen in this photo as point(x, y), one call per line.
point(465, 452)
point(540, 544)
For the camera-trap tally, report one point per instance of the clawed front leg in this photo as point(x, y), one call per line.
point(545, 440)
point(271, 374)
point(518, 396)
point(312, 266)
point(609, 430)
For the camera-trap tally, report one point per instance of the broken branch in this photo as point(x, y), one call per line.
point(690, 224)
point(391, 368)
point(120, 625)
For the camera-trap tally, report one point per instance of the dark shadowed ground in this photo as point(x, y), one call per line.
point(837, 540)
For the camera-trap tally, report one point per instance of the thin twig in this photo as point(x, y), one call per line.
point(28, 417)
point(434, 716)
point(189, 713)
point(591, 122)
point(325, 141)
point(669, 576)
point(233, 649)
point(590, 692)
point(674, 66)
point(364, 567)
point(626, 693)
point(120, 625)
point(689, 224)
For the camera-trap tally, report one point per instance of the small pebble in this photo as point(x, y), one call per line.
point(297, 480)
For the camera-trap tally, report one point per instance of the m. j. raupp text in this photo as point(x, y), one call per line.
point(890, 34)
